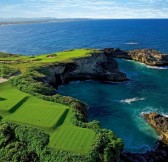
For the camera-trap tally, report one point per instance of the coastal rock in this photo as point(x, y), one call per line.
point(99, 67)
point(159, 123)
point(116, 53)
point(147, 56)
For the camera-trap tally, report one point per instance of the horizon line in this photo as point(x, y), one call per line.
point(81, 18)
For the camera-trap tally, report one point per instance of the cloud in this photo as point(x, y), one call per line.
point(85, 8)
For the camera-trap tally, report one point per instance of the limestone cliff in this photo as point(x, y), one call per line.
point(147, 56)
point(100, 67)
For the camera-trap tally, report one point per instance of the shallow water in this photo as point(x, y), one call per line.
point(118, 106)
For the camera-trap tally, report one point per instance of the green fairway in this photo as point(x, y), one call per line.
point(23, 63)
point(64, 56)
point(40, 113)
point(53, 118)
point(71, 138)
point(10, 97)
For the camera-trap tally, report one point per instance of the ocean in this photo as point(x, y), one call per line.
point(33, 39)
point(118, 106)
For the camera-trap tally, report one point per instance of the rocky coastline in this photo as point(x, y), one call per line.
point(159, 123)
point(147, 56)
point(100, 67)
point(160, 152)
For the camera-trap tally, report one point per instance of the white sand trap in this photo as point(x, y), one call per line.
point(3, 80)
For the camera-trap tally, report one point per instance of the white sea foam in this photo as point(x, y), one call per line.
point(130, 100)
point(159, 68)
point(149, 109)
point(148, 66)
point(166, 115)
point(131, 43)
point(147, 112)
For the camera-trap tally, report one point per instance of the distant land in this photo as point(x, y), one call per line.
point(10, 21)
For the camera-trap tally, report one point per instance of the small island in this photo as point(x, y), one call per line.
point(57, 128)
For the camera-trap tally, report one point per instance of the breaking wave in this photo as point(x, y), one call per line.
point(150, 67)
point(130, 100)
point(131, 43)
point(156, 67)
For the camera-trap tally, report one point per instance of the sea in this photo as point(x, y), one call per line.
point(117, 106)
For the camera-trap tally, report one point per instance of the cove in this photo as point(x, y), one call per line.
point(118, 106)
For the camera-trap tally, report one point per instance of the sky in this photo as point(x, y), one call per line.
point(84, 8)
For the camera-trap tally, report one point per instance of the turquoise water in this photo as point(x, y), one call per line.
point(118, 106)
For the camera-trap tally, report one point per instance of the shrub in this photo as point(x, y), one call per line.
point(6, 72)
point(37, 59)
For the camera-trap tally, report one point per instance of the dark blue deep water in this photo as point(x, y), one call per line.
point(54, 36)
point(117, 106)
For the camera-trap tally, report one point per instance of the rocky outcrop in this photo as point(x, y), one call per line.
point(149, 57)
point(146, 56)
point(159, 123)
point(116, 53)
point(100, 67)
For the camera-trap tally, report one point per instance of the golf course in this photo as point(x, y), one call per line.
point(53, 118)
point(28, 101)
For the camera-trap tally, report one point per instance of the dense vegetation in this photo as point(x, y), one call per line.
point(6, 71)
point(58, 129)
point(6, 55)
point(27, 144)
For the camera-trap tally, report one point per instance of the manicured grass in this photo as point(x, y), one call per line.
point(40, 113)
point(64, 56)
point(25, 62)
point(53, 118)
point(71, 138)
point(10, 97)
